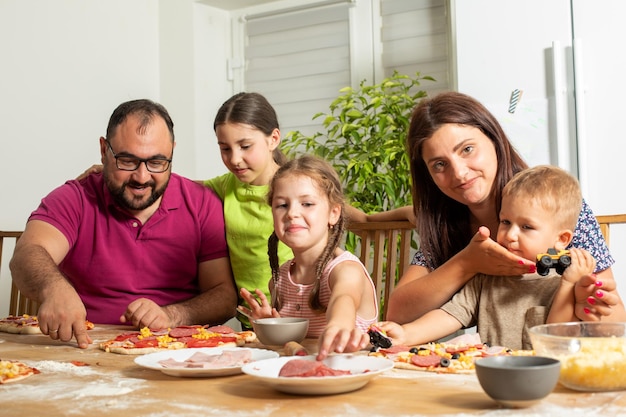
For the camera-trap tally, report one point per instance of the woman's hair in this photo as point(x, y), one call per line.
point(251, 109)
point(326, 179)
point(443, 223)
point(552, 188)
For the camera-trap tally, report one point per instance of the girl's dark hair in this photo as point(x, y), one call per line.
point(443, 224)
point(252, 109)
point(327, 180)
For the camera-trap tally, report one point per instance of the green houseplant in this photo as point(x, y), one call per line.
point(364, 139)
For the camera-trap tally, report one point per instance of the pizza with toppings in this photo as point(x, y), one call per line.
point(26, 324)
point(455, 356)
point(13, 371)
point(181, 337)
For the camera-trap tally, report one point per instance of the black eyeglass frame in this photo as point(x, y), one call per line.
point(138, 161)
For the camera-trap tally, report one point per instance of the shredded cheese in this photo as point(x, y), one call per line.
point(144, 332)
point(9, 369)
point(600, 364)
point(204, 334)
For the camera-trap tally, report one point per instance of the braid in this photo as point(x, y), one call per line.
point(272, 251)
point(326, 178)
point(334, 239)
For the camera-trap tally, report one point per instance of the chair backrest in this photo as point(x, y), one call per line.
point(385, 251)
point(18, 304)
point(606, 221)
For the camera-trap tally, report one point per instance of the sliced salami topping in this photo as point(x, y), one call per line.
point(426, 361)
point(221, 329)
point(184, 331)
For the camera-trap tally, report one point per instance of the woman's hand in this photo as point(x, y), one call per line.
point(484, 255)
point(596, 298)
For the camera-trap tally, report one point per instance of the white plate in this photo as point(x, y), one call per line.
point(363, 369)
point(151, 361)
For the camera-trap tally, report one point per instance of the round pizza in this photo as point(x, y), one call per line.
point(26, 324)
point(181, 337)
point(13, 371)
point(455, 356)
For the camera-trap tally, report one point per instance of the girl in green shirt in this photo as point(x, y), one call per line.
point(248, 135)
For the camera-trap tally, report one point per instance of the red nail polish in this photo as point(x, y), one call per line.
point(599, 294)
point(532, 269)
point(598, 283)
point(586, 310)
point(520, 262)
point(591, 300)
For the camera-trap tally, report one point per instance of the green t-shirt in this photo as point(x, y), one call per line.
point(249, 224)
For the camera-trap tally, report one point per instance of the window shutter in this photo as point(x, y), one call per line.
point(300, 57)
point(299, 60)
point(414, 38)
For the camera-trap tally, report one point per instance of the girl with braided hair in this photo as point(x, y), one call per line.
point(322, 282)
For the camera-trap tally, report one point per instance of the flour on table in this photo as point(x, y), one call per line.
point(89, 383)
point(65, 367)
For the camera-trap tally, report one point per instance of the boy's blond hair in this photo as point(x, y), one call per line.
point(552, 188)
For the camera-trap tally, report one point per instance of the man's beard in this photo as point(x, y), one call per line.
point(135, 204)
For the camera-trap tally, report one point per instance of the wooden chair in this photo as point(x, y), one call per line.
point(18, 304)
point(385, 250)
point(606, 221)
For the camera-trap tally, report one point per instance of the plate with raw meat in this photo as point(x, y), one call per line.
point(305, 375)
point(203, 362)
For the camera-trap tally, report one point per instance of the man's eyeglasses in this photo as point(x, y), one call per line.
point(131, 163)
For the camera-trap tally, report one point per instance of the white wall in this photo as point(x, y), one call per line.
point(66, 64)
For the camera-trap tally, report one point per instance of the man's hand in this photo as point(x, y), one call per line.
point(146, 313)
point(63, 316)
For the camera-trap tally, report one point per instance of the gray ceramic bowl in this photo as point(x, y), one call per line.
point(592, 354)
point(517, 381)
point(278, 331)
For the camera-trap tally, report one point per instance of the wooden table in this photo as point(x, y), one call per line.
point(113, 385)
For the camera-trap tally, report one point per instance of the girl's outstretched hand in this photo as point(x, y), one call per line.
point(259, 306)
point(340, 340)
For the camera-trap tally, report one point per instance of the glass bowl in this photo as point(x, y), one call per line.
point(592, 354)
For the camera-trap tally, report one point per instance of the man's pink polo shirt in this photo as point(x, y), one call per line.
point(114, 259)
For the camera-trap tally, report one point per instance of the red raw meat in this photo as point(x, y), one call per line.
point(305, 368)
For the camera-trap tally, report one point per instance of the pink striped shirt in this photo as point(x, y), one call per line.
point(295, 297)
